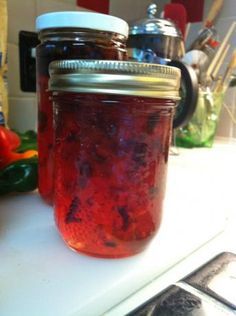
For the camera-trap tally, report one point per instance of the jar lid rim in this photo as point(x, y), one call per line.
point(117, 66)
point(116, 77)
point(89, 20)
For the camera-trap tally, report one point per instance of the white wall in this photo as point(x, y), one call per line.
point(135, 9)
point(227, 16)
point(129, 10)
point(22, 16)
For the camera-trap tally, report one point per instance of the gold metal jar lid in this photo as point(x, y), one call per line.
point(115, 77)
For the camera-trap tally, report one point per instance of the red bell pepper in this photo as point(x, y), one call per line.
point(9, 142)
point(9, 139)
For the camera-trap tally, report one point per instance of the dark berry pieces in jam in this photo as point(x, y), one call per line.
point(116, 172)
point(85, 172)
point(139, 153)
point(123, 211)
point(72, 214)
point(72, 137)
point(85, 169)
point(111, 244)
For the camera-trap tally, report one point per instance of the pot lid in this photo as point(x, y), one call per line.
point(153, 25)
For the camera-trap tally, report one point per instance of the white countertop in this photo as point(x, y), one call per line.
point(39, 275)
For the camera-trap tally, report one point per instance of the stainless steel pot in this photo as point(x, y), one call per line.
point(155, 40)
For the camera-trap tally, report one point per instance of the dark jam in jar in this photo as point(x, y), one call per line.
point(60, 42)
point(113, 123)
point(111, 162)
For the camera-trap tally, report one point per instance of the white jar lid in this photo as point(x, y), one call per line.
point(90, 20)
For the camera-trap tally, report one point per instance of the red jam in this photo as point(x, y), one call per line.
point(111, 157)
point(97, 45)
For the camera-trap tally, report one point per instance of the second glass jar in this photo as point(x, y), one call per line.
point(69, 35)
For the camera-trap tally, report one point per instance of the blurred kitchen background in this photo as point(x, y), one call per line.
point(22, 14)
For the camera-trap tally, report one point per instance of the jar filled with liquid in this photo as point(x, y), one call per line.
point(113, 123)
point(69, 35)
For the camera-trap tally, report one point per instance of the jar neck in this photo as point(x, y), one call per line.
point(79, 35)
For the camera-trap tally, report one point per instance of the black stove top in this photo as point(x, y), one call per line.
point(208, 291)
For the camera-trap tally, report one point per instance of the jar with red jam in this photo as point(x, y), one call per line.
point(113, 123)
point(69, 35)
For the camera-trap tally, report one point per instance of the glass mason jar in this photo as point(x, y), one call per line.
point(113, 123)
point(69, 35)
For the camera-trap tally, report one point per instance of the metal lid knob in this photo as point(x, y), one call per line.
point(152, 10)
point(154, 25)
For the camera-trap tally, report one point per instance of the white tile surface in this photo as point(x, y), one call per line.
point(129, 10)
point(222, 26)
point(43, 6)
point(22, 113)
point(194, 29)
point(226, 126)
point(83, 9)
point(21, 16)
point(228, 9)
